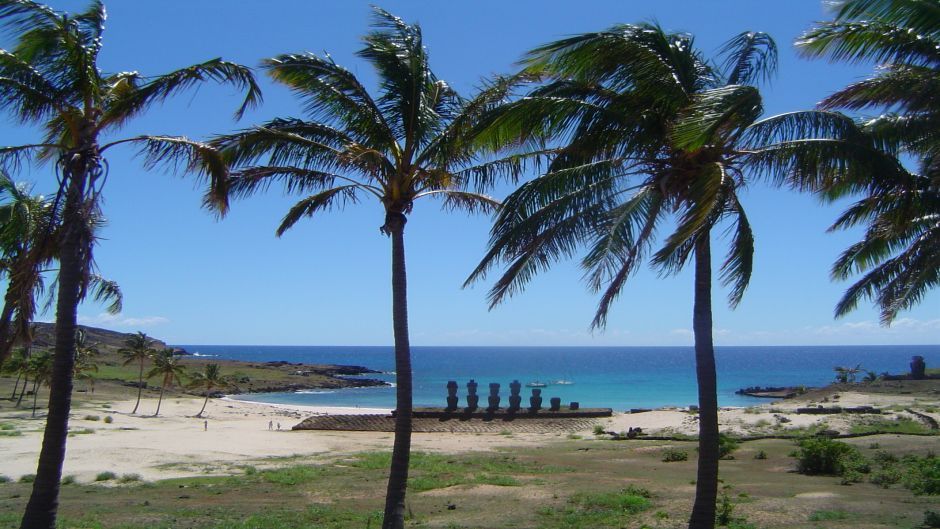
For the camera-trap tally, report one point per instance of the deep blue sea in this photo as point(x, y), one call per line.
point(615, 377)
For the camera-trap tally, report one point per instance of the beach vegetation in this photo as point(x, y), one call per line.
point(599, 430)
point(821, 455)
point(727, 445)
point(761, 454)
point(129, 478)
point(105, 476)
point(5, 479)
point(58, 86)
point(620, 173)
point(91, 418)
point(68, 480)
point(828, 516)
point(922, 475)
point(599, 509)
point(81, 431)
point(412, 141)
point(931, 519)
point(39, 367)
point(671, 455)
point(900, 425)
point(108, 419)
point(27, 478)
point(9, 430)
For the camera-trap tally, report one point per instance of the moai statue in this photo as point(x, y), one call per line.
point(535, 401)
point(451, 395)
point(555, 404)
point(514, 399)
point(918, 368)
point(473, 400)
point(575, 406)
point(494, 396)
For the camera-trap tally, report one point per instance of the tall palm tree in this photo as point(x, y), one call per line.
point(410, 142)
point(16, 365)
point(51, 78)
point(137, 349)
point(652, 130)
point(166, 364)
point(208, 379)
point(899, 255)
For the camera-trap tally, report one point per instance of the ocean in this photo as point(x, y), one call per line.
point(614, 377)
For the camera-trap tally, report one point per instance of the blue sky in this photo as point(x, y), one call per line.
point(191, 279)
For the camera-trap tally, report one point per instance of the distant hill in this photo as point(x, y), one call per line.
point(105, 339)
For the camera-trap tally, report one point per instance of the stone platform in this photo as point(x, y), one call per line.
point(503, 414)
point(496, 424)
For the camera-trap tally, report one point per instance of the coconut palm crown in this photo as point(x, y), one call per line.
point(51, 78)
point(899, 256)
point(651, 131)
point(411, 141)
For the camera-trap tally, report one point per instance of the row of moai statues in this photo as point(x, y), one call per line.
point(515, 400)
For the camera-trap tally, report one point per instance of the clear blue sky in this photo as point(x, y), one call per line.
point(191, 279)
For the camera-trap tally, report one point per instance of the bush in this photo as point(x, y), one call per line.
point(108, 419)
point(27, 478)
point(92, 418)
point(821, 455)
point(932, 519)
point(726, 445)
point(68, 480)
point(105, 476)
point(598, 429)
point(923, 475)
point(886, 477)
point(4, 479)
point(760, 455)
point(129, 478)
point(671, 455)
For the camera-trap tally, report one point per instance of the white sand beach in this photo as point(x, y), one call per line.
point(234, 434)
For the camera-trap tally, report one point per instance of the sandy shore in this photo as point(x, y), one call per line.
point(236, 433)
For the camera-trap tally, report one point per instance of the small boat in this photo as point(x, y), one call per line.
point(536, 384)
point(563, 382)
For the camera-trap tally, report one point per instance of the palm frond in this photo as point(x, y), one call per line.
point(739, 263)
point(454, 199)
point(106, 291)
point(749, 58)
point(722, 111)
point(337, 196)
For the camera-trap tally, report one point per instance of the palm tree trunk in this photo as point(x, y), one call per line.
point(398, 474)
point(706, 485)
point(35, 397)
point(6, 327)
point(44, 501)
point(23, 391)
point(204, 404)
point(160, 401)
point(16, 385)
point(140, 385)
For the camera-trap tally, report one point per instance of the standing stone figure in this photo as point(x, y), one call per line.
point(535, 401)
point(514, 399)
point(918, 368)
point(494, 396)
point(473, 400)
point(451, 395)
point(555, 404)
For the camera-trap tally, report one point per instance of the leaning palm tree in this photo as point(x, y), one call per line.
point(166, 364)
point(137, 350)
point(51, 78)
point(208, 379)
point(16, 365)
point(409, 143)
point(652, 133)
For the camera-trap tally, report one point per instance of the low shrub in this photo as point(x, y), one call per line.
point(129, 478)
point(726, 445)
point(671, 455)
point(923, 475)
point(4, 479)
point(108, 419)
point(92, 418)
point(27, 478)
point(105, 476)
point(821, 455)
point(931, 519)
point(827, 516)
point(68, 480)
point(598, 429)
point(760, 455)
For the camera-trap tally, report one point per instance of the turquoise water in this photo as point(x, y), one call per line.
point(616, 377)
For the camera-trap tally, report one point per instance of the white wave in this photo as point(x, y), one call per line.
point(314, 392)
point(197, 353)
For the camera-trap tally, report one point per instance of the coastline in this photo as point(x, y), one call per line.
point(235, 434)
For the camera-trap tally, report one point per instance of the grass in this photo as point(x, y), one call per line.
point(9, 430)
point(597, 509)
point(105, 476)
point(901, 426)
point(828, 516)
point(81, 431)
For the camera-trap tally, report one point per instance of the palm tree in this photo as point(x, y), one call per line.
point(208, 379)
point(85, 354)
point(652, 130)
point(412, 141)
point(137, 349)
point(27, 246)
point(16, 364)
point(51, 78)
point(166, 364)
point(899, 254)
point(40, 367)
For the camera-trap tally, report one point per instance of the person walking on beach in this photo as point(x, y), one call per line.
point(279, 426)
point(270, 425)
point(205, 426)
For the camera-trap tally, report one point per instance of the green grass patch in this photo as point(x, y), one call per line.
point(901, 426)
point(599, 509)
point(672, 455)
point(828, 516)
point(294, 475)
point(105, 476)
point(82, 431)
